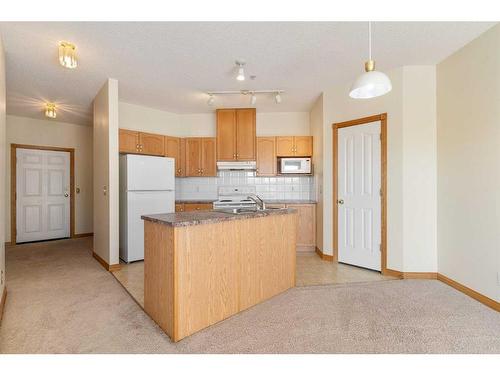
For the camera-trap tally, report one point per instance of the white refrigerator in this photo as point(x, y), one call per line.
point(147, 186)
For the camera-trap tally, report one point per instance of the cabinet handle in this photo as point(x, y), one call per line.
point(234, 156)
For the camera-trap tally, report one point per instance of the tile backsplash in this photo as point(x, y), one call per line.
point(289, 188)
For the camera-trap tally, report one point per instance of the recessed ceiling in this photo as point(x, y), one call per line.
point(170, 65)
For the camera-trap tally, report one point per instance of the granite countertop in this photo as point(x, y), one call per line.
point(267, 201)
point(183, 219)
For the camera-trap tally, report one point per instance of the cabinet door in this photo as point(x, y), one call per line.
point(303, 146)
point(306, 231)
point(182, 158)
point(173, 150)
point(226, 134)
point(129, 141)
point(179, 207)
point(197, 206)
point(152, 144)
point(266, 156)
point(193, 156)
point(208, 157)
point(245, 134)
point(284, 146)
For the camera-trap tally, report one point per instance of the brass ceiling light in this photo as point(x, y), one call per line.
point(50, 110)
point(67, 55)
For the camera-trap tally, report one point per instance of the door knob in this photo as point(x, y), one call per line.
point(340, 201)
point(66, 195)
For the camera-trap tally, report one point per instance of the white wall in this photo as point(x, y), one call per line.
point(3, 170)
point(28, 131)
point(468, 139)
point(146, 119)
point(316, 120)
point(106, 183)
point(411, 160)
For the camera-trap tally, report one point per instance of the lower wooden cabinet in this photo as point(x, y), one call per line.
point(179, 207)
point(306, 233)
point(197, 206)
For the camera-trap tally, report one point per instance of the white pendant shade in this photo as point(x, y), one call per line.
point(370, 85)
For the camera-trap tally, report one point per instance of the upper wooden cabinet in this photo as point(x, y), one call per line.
point(200, 157)
point(129, 141)
point(266, 156)
point(175, 148)
point(236, 139)
point(133, 142)
point(294, 146)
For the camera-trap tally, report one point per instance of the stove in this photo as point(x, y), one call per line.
point(235, 197)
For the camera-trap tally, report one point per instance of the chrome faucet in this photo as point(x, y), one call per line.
point(258, 201)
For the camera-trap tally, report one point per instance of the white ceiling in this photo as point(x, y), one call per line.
point(170, 65)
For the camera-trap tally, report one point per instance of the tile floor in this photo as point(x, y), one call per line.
point(311, 270)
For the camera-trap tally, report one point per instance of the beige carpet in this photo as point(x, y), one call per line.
point(62, 301)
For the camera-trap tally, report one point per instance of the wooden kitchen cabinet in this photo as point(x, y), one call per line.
point(294, 146)
point(236, 134)
point(128, 141)
point(197, 206)
point(266, 156)
point(179, 207)
point(152, 144)
point(201, 157)
point(306, 227)
point(175, 148)
point(133, 142)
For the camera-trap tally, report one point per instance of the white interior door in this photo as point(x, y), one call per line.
point(359, 201)
point(42, 195)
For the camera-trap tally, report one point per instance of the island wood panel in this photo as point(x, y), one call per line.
point(207, 275)
point(245, 134)
point(267, 259)
point(266, 156)
point(284, 146)
point(208, 157)
point(226, 134)
point(159, 299)
point(128, 141)
point(303, 146)
point(152, 144)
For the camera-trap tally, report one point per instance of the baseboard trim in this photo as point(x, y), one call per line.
point(80, 235)
point(420, 275)
point(2, 302)
point(8, 243)
point(393, 273)
point(108, 267)
point(328, 258)
point(470, 292)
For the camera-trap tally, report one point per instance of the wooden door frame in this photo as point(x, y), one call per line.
point(383, 180)
point(13, 186)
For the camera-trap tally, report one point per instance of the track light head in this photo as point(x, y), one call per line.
point(241, 71)
point(277, 98)
point(253, 100)
point(211, 100)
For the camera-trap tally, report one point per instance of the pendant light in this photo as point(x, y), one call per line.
point(371, 83)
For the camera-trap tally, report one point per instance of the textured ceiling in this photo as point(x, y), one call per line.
point(170, 65)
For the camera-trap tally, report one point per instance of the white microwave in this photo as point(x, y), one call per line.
point(295, 166)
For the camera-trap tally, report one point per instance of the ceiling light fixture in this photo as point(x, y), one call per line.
point(50, 110)
point(253, 100)
point(67, 55)
point(241, 71)
point(211, 100)
point(253, 93)
point(371, 83)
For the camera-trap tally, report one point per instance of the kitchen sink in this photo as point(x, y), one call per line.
point(243, 211)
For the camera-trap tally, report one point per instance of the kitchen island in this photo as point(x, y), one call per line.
point(202, 267)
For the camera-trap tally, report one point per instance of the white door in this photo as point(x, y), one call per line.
point(42, 195)
point(359, 201)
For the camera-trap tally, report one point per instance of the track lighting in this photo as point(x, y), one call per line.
point(253, 100)
point(50, 110)
point(241, 71)
point(211, 100)
point(277, 98)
